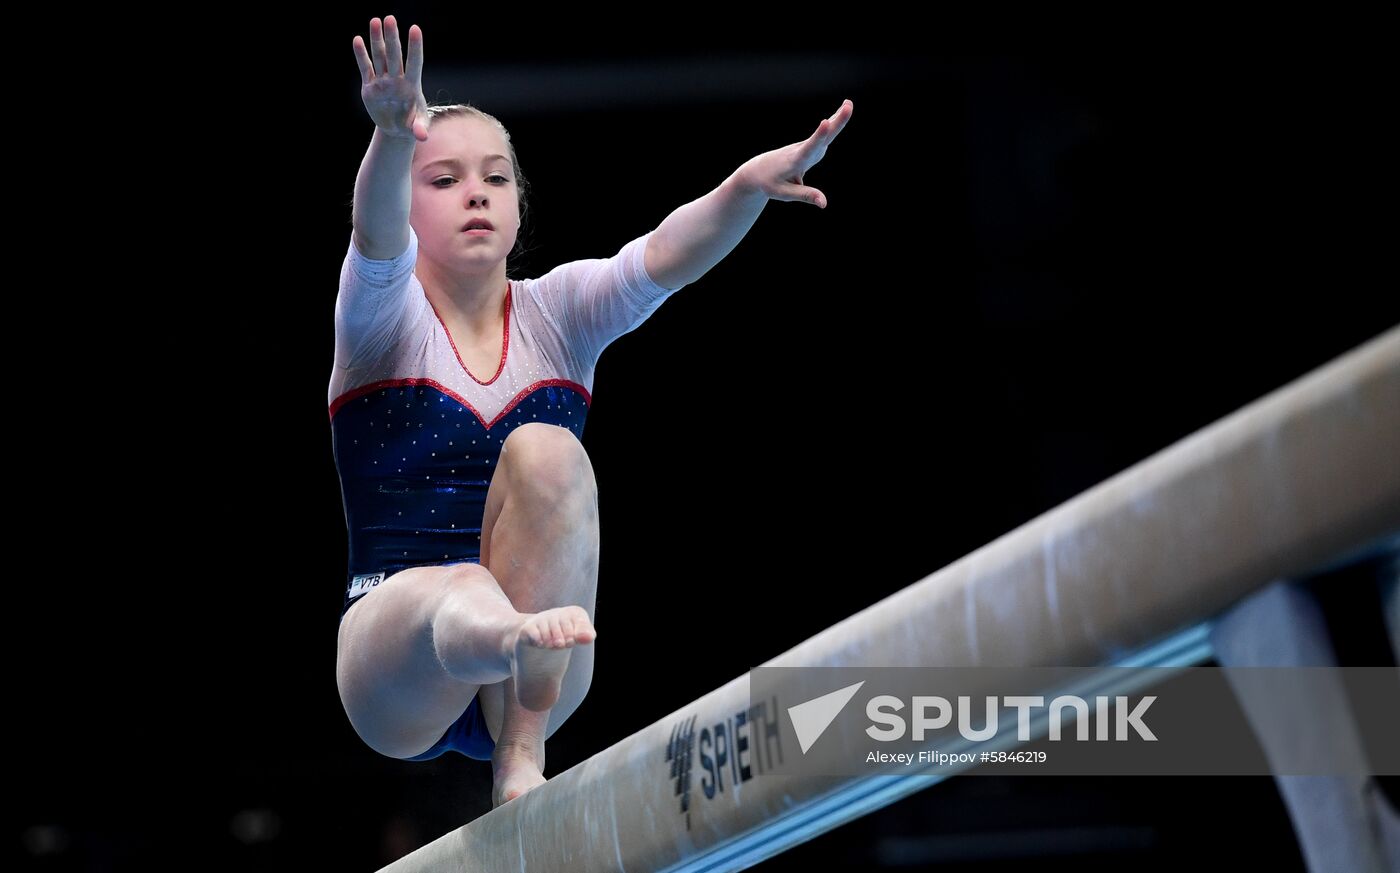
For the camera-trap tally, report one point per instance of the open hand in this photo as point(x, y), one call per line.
point(779, 173)
point(393, 93)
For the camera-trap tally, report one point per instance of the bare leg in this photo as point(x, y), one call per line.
point(540, 542)
point(393, 682)
point(413, 652)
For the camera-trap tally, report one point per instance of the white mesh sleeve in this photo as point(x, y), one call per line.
point(597, 300)
point(370, 306)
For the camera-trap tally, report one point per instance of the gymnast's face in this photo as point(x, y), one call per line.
point(464, 172)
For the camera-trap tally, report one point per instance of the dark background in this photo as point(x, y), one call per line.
point(1039, 266)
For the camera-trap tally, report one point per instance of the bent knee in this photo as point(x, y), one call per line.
point(399, 726)
point(387, 637)
point(405, 599)
point(391, 682)
point(550, 457)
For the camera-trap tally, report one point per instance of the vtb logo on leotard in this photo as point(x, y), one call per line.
point(363, 583)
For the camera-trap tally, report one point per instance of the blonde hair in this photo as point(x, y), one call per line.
point(522, 186)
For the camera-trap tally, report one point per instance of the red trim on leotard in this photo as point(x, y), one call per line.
point(505, 342)
point(433, 383)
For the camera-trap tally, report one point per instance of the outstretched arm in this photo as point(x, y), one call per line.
point(699, 234)
point(392, 92)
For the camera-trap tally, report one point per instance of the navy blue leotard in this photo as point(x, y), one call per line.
point(416, 437)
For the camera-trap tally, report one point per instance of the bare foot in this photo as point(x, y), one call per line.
point(515, 769)
point(541, 650)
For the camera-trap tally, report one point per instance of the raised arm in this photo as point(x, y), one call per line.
point(699, 234)
point(393, 96)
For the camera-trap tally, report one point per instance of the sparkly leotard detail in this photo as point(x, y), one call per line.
point(416, 436)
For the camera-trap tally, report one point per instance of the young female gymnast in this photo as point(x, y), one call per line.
point(457, 402)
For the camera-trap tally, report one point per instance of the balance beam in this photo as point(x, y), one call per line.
point(1305, 477)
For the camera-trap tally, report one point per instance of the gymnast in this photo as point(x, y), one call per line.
point(457, 404)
